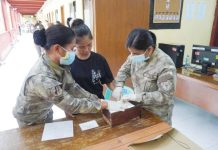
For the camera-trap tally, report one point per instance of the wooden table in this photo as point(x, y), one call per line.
point(200, 90)
point(30, 137)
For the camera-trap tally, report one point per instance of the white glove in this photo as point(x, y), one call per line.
point(129, 97)
point(117, 92)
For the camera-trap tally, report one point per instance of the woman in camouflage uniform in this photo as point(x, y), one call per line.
point(152, 72)
point(50, 82)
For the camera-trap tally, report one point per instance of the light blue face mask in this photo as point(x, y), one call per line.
point(140, 58)
point(68, 58)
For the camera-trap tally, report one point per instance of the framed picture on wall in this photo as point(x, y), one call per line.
point(165, 14)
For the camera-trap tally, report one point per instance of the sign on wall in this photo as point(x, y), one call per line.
point(165, 14)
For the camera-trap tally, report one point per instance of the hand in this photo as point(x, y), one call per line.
point(129, 97)
point(117, 92)
point(104, 104)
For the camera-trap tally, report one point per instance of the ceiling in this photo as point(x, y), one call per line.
point(27, 7)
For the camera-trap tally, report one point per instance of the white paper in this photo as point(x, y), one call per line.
point(58, 130)
point(115, 106)
point(88, 125)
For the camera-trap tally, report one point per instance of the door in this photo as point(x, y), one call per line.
point(114, 19)
point(62, 15)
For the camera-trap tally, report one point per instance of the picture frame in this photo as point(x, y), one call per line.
point(165, 14)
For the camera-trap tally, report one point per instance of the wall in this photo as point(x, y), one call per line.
point(51, 5)
point(5, 40)
point(193, 31)
point(9, 15)
point(10, 19)
point(2, 25)
point(79, 13)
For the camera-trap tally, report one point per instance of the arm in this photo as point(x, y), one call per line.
point(78, 92)
point(111, 86)
point(107, 78)
point(75, 89)
point(123, 73)
point(50, 89)
point(166, 87)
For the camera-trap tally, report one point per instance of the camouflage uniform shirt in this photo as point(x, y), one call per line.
point(48, 84)
point(153, 81)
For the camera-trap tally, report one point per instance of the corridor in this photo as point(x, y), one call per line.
point(13, 71)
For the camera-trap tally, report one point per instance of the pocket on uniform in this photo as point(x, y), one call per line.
point(150, 82)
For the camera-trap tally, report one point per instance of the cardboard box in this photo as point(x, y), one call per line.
point(173, 140)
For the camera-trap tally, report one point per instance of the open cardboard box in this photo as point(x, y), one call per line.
point(120, 117)
point(143, 139)
point(172, 140)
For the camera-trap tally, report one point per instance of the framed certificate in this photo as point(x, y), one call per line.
point(165, 14)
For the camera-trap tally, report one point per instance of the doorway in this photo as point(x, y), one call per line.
point(214, 34)
point(62, 15)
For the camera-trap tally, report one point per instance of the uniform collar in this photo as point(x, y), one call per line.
point(154, 54)
point(55, 67)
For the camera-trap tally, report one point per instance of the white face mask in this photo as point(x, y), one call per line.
point(139, 58)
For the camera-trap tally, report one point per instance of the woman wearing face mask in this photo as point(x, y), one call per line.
point(50, 82)
point(90, 70)
point(152, 72)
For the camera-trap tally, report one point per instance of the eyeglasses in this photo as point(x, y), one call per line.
point(66, 49)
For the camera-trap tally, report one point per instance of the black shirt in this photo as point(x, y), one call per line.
point(92, 73)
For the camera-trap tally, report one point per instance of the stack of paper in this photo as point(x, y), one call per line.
point(58, 130)
point(115, 106)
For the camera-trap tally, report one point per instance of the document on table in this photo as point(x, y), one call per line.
point(58, 130)
point(88, 125)
point(115, 106)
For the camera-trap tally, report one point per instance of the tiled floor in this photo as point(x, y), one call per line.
point(12, 73)
point(198, 125)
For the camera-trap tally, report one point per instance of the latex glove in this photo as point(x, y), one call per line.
point(129, 97)
point(117, 92)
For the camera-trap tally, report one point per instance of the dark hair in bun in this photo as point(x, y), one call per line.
point(77, 22)
point(141, 39)
point(39, 37)
point(81, 29)
point(56, 34)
